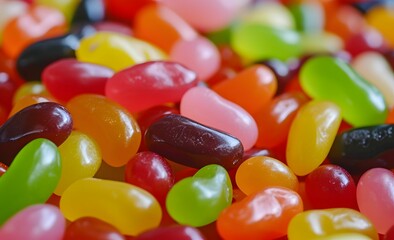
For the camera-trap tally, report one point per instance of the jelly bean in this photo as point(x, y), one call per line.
point(161, 26)
point(89, 11)
point(255, 42)
point(317, 122)
point(109, 124)
point(7, 65)
point(9, 10)
point(116, 51)
point(7, 90)
point(66, 7)
point(150, 84)
point(37, 23)
point(330, 186)
point(151, 172)
point(207, 107)
point(113, 27)
point(389, 234)
point(375, 197)
point(31, 62)
point(198, 200)
point(129, 208)
point(178, 232)
point(205, 15)
point(90, 228)
point(68, 78)
point(360, 149)
point(262, 215)
point(257, 173)
point(321, 42)
point(374, 68)
point(46, 120)
point(381, 18)
point(274, 120)
point(31, 178)
point(308, 16)
point(3, 169)
point(326, 78)
point(316, 224)
point(190, 143)
point(257, 82)
point(40, 221)
point(367, 40)
point(81, 158)
point(26, 101)
point(345, 236)
point(199, 54)
point(30, 88)
point(124, 10)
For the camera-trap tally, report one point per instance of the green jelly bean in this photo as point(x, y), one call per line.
point(198, 200)
point(255, 42)
point(31, 178)
point(327, 78)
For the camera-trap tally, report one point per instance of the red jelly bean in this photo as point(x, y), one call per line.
point(90, 228)
point(151, 172)
point(367, 40)
point(177, 232)
point(7, 91)
point(123, 10)
point(68, 78)
point(330, 186)
point(43, 120)
point(150, 84)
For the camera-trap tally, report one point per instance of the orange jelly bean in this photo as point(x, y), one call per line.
point(382, 18)
point(38, 23)
point(112, 126)
point(26, 101)
point(161, 26)
point(251, 89)
point(263, 215)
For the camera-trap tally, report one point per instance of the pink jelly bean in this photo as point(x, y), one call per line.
point(37, 222)
point(205, 15)
point(150, 84)
point(207, 107)
point(375, 197)
point(198, 54)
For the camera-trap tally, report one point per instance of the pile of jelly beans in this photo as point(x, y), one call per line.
point(196, 119)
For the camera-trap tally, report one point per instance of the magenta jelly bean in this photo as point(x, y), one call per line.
point(43, 120)
point(150, 84)
point(207, 107)
point(190, 143)
point(178, 232)
point(37, 222)
point(68, 78)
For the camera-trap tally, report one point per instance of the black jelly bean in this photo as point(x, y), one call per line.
point(89, 11)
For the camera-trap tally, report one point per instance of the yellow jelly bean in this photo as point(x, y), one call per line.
point(345, 236)
point(81, 158)
point(129, 208)
point(382, 18)
point(67, 7)
point(117, 51)
point(109, 124)
point(311, 135)
point(322, 224)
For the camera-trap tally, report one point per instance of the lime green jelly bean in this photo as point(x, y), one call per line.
point(327, 78)
point(31, 178)
point(81, 158)
point(116, 51)
point(129, 208)
point(255, 42)
point(198, 200)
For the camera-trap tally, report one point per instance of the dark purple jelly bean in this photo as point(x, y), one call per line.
point(177, 232)
point(190, 143)
point(360, 149)
point(43, 120)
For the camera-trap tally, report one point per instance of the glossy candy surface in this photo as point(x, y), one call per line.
point(190, 143)
point(90, 228)
point(46, 120)
point(179, 232)
point(130, 209)
point(198, 200)
point(102, 119)
point(31, 178)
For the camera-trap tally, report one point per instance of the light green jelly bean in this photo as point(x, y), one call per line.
point(198, 200)
point(31, 178)
point(327, 78)
point(255, 42)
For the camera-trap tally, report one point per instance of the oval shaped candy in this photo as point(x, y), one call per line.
point(190, 143)
point(129, 208)
point(109, 124)
point(45, 120)
point(90, 228)
point(31, 178)
point(150, 84)
point(178, 232)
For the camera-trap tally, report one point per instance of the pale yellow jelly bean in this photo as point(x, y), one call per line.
point(311, 135)
point(109, 124)
point(374, 68)
point(81, 158)
point(130, 209)
point(117, 51)
point(320, 42)
point(67, 7)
